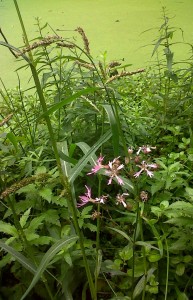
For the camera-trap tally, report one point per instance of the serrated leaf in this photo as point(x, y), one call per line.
point(8, 229)
point(24, 217)
point(86, 210)
point(28, 189)
point(35, 223)
point(46, 193)
point(46, 260)
point(42, 240)
point(90, 226)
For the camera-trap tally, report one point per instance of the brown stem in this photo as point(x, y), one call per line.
point(12, 52)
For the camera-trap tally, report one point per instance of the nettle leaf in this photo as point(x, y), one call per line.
point(30, 236)
point(28, 189)
point(52, 217)
point(24, 217)
point(46, 193)
point(86, 210)
point(35, 223)
point(90, 226)
point(189, 191)
point(42, 240)
point(8, 229)
point(20, 207)
point(181, 221)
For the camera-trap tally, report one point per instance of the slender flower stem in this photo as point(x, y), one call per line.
point(134, 241)
point(144, 256)
point(98, 235)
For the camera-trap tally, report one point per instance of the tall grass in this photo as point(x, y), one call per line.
point(122, 134)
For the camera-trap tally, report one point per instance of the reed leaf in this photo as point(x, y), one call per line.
point(19, 257)
point(114, 128)
point(46, 260)
point(88, 156)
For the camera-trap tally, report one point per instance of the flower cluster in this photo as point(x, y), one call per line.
point(87, 197)
point(113, 169)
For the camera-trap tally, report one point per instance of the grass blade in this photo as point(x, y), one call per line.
point(114, 128)
point(83, 161)
point(19, 257)
point(66, 101)
point(46, 260)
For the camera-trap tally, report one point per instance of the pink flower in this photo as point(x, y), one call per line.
point(98, 166)
point(114, 168)
point(145, 149)
point(144, 167)
point(120, 199)
point(86, 198)
point(101, 199)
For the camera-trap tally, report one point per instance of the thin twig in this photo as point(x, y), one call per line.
point(12, 52)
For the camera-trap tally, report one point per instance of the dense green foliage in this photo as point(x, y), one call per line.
point(130, 235)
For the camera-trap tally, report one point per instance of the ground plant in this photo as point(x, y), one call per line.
point(96, 195)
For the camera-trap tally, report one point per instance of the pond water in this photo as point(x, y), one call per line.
point(111, 25)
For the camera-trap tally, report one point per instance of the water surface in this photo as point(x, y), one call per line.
point(114, 26)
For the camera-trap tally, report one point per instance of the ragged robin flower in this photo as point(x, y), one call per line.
point(87, 197)
point(145, 149)
point(145, 168)
point(113, 171)
point(98, 166)
point(120, 199)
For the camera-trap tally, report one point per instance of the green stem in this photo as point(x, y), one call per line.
point(144, 257)
point(27, 247)
point(64, 180)
point(167, 272)
point(134, 241)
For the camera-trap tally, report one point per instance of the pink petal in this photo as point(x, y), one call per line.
point(149, 173)
point(120, 181)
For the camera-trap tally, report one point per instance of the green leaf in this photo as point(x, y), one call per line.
point(46, 260)
point(40, 170)
point(182, 296)
point(85, 148)
point(90, 226)
point(19, 257)
point(121, 233)
point(8, 229)
point(83, 161)
point(24, 217)
point(46, 193)
point(180, 269)
point(140, 285)
point(67, 101)
point(12, 139)
point(114, 128)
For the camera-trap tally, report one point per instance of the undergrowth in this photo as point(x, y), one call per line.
point(96, 174)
